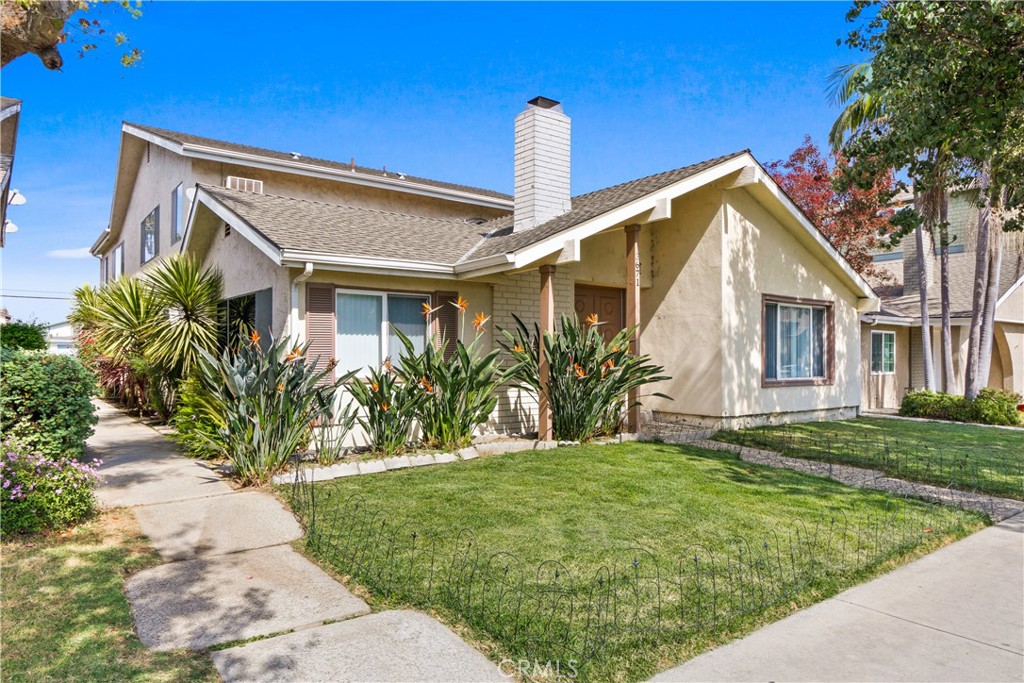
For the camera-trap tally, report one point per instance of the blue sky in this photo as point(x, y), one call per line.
point(427, 89)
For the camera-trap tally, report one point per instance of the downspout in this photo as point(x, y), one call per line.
point(293, 321)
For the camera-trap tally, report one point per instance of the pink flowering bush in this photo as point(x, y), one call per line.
point(41, 493)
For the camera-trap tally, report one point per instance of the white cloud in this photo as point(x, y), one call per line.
point(82, 252)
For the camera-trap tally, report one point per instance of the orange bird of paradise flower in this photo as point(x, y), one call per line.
point(518, 348)
point(280, 386)
point(479, 320)
point(296, 352)
point(579, 370)
point(427, 386)
point(460, 304)
point(375, 386)
point(592, 320)
point(384, 406)
point(387, 363)
point(254, 338)
point(428, 311)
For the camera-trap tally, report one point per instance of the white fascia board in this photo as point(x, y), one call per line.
point(294, 258)
point(313, 171)
point(486, 265)
point(187, 234)
point(158, 140)
point(611, 218)
point(1009, 290)
point(10, 111)
point(236, 223)
point(97, 247)
point(860, 284)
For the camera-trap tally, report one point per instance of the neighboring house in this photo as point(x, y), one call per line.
point(891, 340)
point(10, 112)
point(60, 338)
point(751, 311)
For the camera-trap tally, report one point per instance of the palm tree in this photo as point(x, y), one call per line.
point(851, 88)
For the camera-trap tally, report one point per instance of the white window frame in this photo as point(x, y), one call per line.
point(385, 321)
point(118, 267)
point(155, 213)
point(812, 331)
point(177, 213)
point(871, 352)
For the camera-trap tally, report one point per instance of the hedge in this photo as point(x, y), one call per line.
point(45, 403)
point(992, 406)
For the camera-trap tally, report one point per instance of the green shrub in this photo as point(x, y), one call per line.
point(389, 407)
point(196, 421)
point(997, 407)
point(267, 402)
point(44, 493)
point(457, 394)
point(589, 378)
point(45, 404)
point(992, 406)
point(22, 335)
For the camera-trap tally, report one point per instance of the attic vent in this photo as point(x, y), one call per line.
point(244, 184)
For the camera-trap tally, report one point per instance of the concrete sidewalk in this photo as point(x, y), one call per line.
point(231, 574)
point(954, 615)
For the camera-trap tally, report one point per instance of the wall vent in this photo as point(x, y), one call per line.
point(244, 184)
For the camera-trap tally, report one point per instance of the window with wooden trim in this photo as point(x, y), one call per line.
point(366, 323)
point(150, 236)
point(797, 341)
point(883, 353)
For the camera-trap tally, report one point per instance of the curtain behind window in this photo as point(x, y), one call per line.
point(771, 355)
point(406, 314)
point(818, 342)
point(359, 328)
point(794, 342)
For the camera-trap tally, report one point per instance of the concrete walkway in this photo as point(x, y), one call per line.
point(954, 615)
point(231, 574)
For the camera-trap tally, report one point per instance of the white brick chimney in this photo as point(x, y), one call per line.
point(541, 163)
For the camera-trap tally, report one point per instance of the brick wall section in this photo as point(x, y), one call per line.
point(520, 294)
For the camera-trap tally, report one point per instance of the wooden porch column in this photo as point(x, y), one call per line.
point(633, 314)
point(547, 324)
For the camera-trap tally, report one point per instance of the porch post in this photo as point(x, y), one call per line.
point(633, 313)
point(547, 324)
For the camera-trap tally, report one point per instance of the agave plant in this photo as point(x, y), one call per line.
point(589, 379)
point(457, 394)
point(389, 407)
point(267, 402)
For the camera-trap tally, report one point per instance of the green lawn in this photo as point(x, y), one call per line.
point(64, 614)
point(587, 553)
point(968, 457)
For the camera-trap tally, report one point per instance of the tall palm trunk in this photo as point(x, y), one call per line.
point(926, 327)
point(980, 285)
point(988, 320)
point(948, 380)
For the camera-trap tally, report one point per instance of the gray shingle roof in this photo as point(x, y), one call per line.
point(903, 300)
point(327, 228)
point(188, 139)
point(500, 238)
point(336, 229)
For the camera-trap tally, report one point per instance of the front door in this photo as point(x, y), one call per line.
point(606, 303)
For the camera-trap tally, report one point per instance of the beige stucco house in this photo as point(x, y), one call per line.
point(891, 337)
point(746, 305)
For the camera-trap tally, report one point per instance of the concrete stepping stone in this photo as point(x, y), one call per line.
point(400, 645)
point(216, 526)
point(203, 602)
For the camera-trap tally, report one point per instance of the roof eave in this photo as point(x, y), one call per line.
point(313, 170)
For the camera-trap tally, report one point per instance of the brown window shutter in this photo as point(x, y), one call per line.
point(446, 320)
point(320, 328)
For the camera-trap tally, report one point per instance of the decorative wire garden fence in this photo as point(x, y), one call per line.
point(545, 612)
point(978, 470)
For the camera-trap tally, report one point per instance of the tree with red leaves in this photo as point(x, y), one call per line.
point(854, 220)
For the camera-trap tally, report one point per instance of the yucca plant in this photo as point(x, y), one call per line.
point(457, 394)
point(187, 296)
point(589, 378)
point(267, 403)
point(388, 408)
